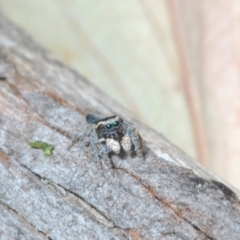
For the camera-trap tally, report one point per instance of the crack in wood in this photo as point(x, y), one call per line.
point(29, 225)
point(93, 210)
point(228, 193)
point(36, 115)
point(164, 201)
point(98, 215)
point(197, 228)
point(43, 121)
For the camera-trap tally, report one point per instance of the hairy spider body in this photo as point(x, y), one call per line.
point(112, 134)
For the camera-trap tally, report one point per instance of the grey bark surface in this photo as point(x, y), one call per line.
point(68, 195)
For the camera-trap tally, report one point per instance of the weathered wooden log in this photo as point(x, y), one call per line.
point(68, 195)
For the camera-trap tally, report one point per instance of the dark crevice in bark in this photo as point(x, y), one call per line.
point(165, 202)
point(197, 228)
point(30, 226)
point(148, 188)
point(95, 212)
point(35, 114)
point(43, 121)
point(92, 210)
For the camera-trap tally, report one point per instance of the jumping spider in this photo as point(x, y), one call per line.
point(112, 135)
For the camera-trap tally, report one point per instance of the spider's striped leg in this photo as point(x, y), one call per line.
point(100, 150)
point(78, 137)
point(136, 140)
point(107, 150)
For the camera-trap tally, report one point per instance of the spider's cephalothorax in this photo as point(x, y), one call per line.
point(110, 128)
point(112, 134)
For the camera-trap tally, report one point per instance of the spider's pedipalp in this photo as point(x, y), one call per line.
point(126, 143)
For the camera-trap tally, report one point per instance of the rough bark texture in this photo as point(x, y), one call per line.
point(67, 195)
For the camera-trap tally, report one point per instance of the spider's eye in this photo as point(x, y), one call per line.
point(101, 126)
point(116, 124)
point(109, 126)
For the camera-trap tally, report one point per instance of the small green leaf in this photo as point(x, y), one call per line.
point(46, 147)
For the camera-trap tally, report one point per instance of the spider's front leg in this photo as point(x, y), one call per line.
point(100, 150)
point(78, 137)
point(135, 139)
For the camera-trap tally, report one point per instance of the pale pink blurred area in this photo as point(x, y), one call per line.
point(211, 32)
point(174, 64)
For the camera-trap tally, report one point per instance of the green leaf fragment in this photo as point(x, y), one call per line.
point(46, 147)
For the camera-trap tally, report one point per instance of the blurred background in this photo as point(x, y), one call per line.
point(174, 64)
